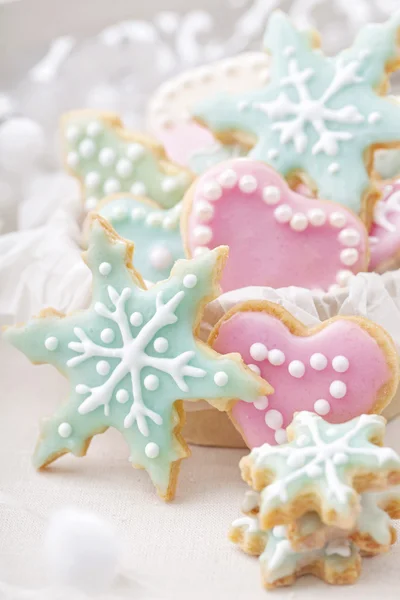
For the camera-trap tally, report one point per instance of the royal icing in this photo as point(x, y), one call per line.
point(384, 237)
point(155, 233)
point(107, 159)
point(317, 115)
point(339, 370)
point(131, 356)
point(248, 206)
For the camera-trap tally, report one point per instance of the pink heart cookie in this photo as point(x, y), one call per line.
point(343, 368)
point(385, 231)
point(277, 237)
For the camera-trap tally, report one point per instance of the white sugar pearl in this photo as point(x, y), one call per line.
point(212, 190)
point(94, 128)
point(333, 168)
point(283, 213)
point(151, 382)
point(124, 167)
point(248, 184)
point(258, 351)
point(161, 257)
point(137, 213)
point(119, 213)
point(138, 189)
point(107, 157)
point(271, 195)
point(72, 159)
point(136, 319)
point(281, 436)
point(255, 369)
point(276, 357)
point(152, 450)
point(221, 378)
point(349, 256)
point(122, 396)
point(261, 403)
point(92, 179)
point(154, 219)
point(91, 203)
point(204, 211)
point(340, 458)
point(299, 222)
point(317, 217)
point(102, 367)
point(64, 430)
point(111, 186)
point(318, 361)
point(340, 364)
point(72, 133)
point(349, 237)
point(170, 184)
point(228, 178)
point(343, 277)
point(107, 335)
point(190, 280)
point(51, 343)
point(337, 219)
point(296, 368)
point(135, 151)
point(274, 419)
point(160, 345)
point(337, 389)
point(87, 148)
point(105, 268)
point(202, 234)
point(322, 407)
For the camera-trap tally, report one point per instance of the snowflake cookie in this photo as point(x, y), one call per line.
point(154, 231)
point(323, 468)
point(108, 159)
point(132, 357)
point(318, 116)
point(340, 369)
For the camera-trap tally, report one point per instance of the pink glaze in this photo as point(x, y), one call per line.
point(385, 231)
point(182, 140)
point(367, 371)
point(274, 234)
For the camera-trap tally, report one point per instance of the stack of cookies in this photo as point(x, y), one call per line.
point(319, 502)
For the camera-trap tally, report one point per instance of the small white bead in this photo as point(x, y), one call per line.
point(333, 168)
point(271, 195)
point(337, 219)
point(136, 319)
point(255, 369)
point(340, 364)
point(248, 184)
point(349, 256)
point(190, 281)
point(161, 258)
point(343, 277)
point(340, 458)
point(204, 211)
point(105, 268)
point(349, 237)
point(317, 217)
point(221, 378)
point(107, 335)
point(160, 345)
point(261, 403)
point(124, 167)
point(170, 184)
point(51, 343)
point(154, 219)
point(272, 154)
point(138, 189)
point(137, 213)
point(283, 213)
point(227, 178)
point(102, 367)
point(281, 436)
point(299, 222)
point(94, 128)
point(72, 133)
point(274, 419)
point(107, 157)
point(322, 407)
point(296, 369)
point(134, 151)
point(92, 179)
point(64, 430)
point(258, 351)
point(111, 186)
point(152, 450)
point(337, 389)
point(151, 382)
point(202, 234)
point(276, 357)
point(122, 396)
point(212, 190)
point(72, 159)
point(119, 213)
point(87, 148)
point(318, 361)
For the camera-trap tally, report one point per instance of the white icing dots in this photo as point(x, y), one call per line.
point(94, 128)
point(248, 184)
point(212, 190)
point(322, 407)
point(152, 450)
point(343, 277)
point(281, 436)
point(374, 117)
point(122, 396)
point(160, 345)
point(296, 369)
point(318, 361)
point(151, 382)
point(87, 148)
point(255, 369)
point(333, 168)
point(202, 234)
point(283, 213)
point(274, 419)
point(271, 195)
point(261, 403)
point(72, 133)
point(107, 157)
point(51, 343)
point(134, 151)
point(337, 219)
point(137, 213)
point(119, 213)
point(72, 159)
point(102, 367)
point(170, 184)
point(160, 257)
point(138, 189)
point(190, 280)
point(221, 378)
point(349, 256)
point(272, 153)
point(107, 335)
point(227, 178)
point(258, 351)
point(136, 319)
point(105, 268)
point(124, 168)
point(64, 430)
point(317, 217)
point(276, 357)
point(299, 222)
point(111, 186)
point(337, 389)
point(204, 211)
point(340, 364)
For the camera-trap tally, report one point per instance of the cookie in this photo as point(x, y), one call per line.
point(277, 237)
point(246, 533)
point(155, 232)
point(385, 231)
point(132, 357)
point(205, 158)
point(323, 469)
point(340, 369)
point(320, 118)
point(169, 111)
point(108, 159)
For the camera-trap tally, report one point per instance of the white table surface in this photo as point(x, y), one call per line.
point(181, 547)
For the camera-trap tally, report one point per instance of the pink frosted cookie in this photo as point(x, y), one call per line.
point(169, 112)
point(385, 231)
point(277, 237)
point(343, 368)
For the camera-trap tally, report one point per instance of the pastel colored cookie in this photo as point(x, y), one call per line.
point(132, 357)
point(155, 232)
point(344, 367)
point(169, 111)
point(322, 117)
point(205, 158)
point(323, 468)
point(277, 237)
point(108, 159)
point(385, 231)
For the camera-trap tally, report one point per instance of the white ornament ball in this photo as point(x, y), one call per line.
point(22, 144)
point(81, 550)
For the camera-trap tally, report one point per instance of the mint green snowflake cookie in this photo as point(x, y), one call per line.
point(132, 357)
point(318, 115)
point(106, 158)
point(154, 231)
point(323, 468)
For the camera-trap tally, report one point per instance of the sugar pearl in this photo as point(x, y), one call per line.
point(299, 222)
point(258, 351)
point(271, 195)
point(340, 364)
point(134, 151)
point(64, 430)
point(111, 186)
point(322, 407)
point(105, 268)
point(161, 257)
point(124, 167)
point(107, 335)
point(337, 389)
point(190, 281)
point(160, 345)
point(283, 213)
point(221, 378)
point(136, 319)
point(274, 419)
point(202, 234)
point(248, 184)
point(151, 382)
point(261, 403)
point(51, 343)
point(122, 396)
point(281, 436)
point(94, 128)
point(138, 189)
point(212, 190)
point(337, 219)
point(227, 178)
point(276, 357)
point(204, 211)
point(317, 217)
point(107, 157)
point(343, 277)
point(318, 361)
point(349, 256)
point(87, 148)
point(296, 368)
point(152, 450)
point(91, 203)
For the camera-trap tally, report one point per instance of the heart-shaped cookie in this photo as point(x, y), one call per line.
point(343, 368)
point(277, 237)
point(385, 231)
